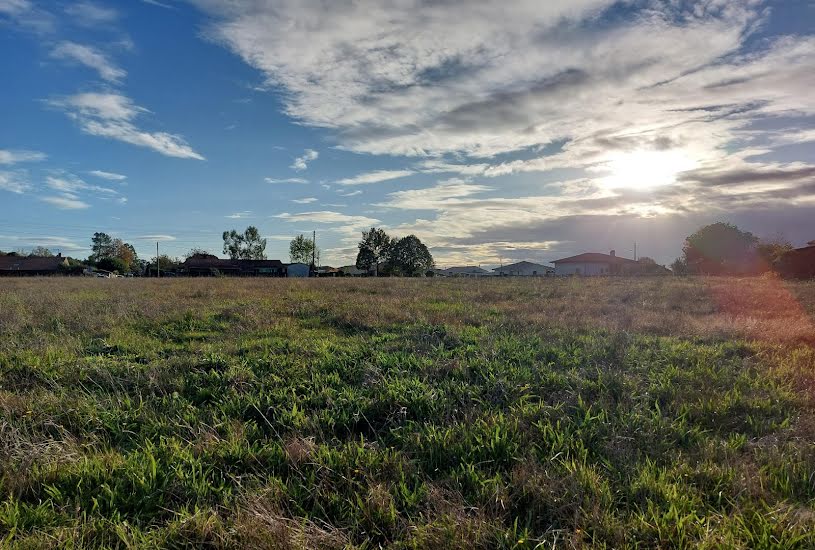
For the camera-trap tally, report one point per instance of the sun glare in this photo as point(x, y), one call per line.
point(645, 169)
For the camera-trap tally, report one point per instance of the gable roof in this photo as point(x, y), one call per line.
point(35, 263)
point(212, 262)
point(595, 257)
point(465, 269)
point(521, 265)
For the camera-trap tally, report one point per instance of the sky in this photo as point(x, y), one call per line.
point(495, 131)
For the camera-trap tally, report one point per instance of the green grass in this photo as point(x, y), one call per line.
point(407, 414)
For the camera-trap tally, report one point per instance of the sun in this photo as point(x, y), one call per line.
point(642, 170)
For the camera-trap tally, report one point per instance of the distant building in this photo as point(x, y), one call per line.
point(353, 271)
point(524, 269)
point(207, 265)
point(798, 263)
point(591, 264)
point(298, 270)
point(19, 266)
point(464, 271)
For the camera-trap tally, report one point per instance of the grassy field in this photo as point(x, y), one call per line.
point(407, 413)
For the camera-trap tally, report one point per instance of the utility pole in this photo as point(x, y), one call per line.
point(314, 249)
point(158, 263)
point(635, 251)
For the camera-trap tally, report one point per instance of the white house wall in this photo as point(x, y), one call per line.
point(589, 269)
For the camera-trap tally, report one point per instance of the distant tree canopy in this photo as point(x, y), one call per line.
point(382, 254)
point(771, 251)
point(410, 257)
point(245, 246)
point(110, 263)
point(101, 247)
point(720, 248)
point(301, 250)
point(199, 252)
point(104, 247)
point(374, 250)
point(41, 251)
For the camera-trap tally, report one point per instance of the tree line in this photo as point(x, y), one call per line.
point(724, 249)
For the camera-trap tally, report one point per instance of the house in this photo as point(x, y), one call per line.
point(464, 271)
point(353, 271)
point(798, 263)
point(524, 269)
point(207, 265)
point(328, 271)
point(19, 266)
point(592, 264)
point(298, 270)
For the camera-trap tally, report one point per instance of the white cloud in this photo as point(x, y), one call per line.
point(20, 155)
point(346, 225)
point(14, 182)
point(159, 4)
point(240, 215)
point(111, 176)
point(286, 180)
point(306, 200)
point(68, 183)
point(89, 14)
point(376, 176)
point(90, 57)
point(301, 162)
point(51, 242)
point(27, 16)
point(66, 202)
point(156, 237)
point(112, 115)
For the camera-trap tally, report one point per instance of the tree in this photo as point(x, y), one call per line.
point(41, 252)
point(110, 263)
point(244, 246)
point(102, 246)
point(126, 253)
point(410, 257)
point(166, 263)
point(198, 252)
point(720, 248)
point(374, 250)
point(771, 251)
point(301, 250)
point(679, 267)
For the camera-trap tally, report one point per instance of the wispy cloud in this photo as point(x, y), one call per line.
point(111, 176)
point(156, 237)
point(20, 155)
point(306, 200)
point(113, 115)
point(89, 57)
point(89, 14)
point(301, 162)
point(66, 202)
point(14, 182)
point(346, 224)
point(375, 177)
point(240, 215)
point(27, 16)
point(159, 4)
point(286, 180)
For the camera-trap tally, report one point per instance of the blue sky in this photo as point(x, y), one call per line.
point(495, 131)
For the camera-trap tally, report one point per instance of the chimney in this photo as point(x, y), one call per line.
point(613, 253)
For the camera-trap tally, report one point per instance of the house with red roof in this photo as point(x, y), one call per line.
point(592, 264)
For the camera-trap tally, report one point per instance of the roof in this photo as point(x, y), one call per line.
point(218, 263)
point(465, 269)
point(594, 257)
point(521, 265)
point(31, 263)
